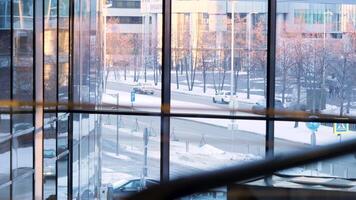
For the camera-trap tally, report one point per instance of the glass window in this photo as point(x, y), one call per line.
point(217, 69)
point(315, 68)
point(49, 155)
point(5, 49)
point(62, 179)
point(22, 144)
point(23, 50)
point(130, 149)
point(132, 70)
point(201, 144)
point(23, 188)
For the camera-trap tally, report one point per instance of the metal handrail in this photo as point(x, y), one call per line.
point(204, 181)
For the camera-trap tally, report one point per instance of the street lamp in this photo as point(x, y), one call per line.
point(232, 48)
point(326, 13)
point(249, 24)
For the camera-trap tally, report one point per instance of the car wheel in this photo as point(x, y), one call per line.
point(214, 100)
point(223, 101)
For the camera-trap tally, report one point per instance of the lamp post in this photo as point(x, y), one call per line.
point(249, 27)
point(326, 13)
point(232, 48)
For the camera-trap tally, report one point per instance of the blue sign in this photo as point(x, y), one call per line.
point(341, 128)
point(132, 96)
point(313, 126)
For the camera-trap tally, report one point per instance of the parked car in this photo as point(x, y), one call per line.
point(294, 106)
point(125, 188)
point(143, 88)
point(260, 106)
point(222, 97)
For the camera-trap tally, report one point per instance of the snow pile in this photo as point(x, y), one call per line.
point(209, 150)
point(120, 156)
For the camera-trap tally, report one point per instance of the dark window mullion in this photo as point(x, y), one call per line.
point(11, 87)
point(271, 52)
point(166, 90)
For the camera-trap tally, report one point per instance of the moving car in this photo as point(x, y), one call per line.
point(125, 188)
point(222, 97)
point(260, 106)
point(143, 88)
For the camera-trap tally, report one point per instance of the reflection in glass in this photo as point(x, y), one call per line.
point(49, 155)
point(62, 180)
point(23, 188)
point(23, 50)
point(5, 49)
point(22, 145)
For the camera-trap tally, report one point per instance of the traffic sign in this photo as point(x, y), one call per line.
point(313, 126)
point(132, 96)
point(341, 128)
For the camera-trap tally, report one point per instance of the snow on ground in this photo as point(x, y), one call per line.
point(120, 156)
point(147, 102)
point(299, 171)
point(283, 130)
point(204, 157)
point(113, 177)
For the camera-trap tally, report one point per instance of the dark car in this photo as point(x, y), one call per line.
point(297, 107)
point(143, 89)
point(125, 188)
point(260, 107)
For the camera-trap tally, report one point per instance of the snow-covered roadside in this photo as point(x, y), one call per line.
point(283, 130)
point(198, 91)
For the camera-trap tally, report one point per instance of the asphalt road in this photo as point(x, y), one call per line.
point(192, 131)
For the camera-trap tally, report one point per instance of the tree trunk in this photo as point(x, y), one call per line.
point(177, 77)
point(284, 82)
point(296, 124)
point(204, 77)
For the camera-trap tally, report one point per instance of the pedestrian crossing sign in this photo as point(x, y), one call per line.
point(341, 128)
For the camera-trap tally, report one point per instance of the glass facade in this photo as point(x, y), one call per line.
point(99, 99)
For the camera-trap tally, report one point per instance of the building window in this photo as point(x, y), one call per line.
point(126, 19)
point(126, 4)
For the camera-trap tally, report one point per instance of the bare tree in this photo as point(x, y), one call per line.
point(344, 69)
point(117, 49)
point(259, 53)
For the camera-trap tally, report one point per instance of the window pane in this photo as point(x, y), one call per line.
point(199, 144)
point(23, 50)
point(49, 155)
point(4, 148)
point(309, 135)
point(132, 73)
point(50, 51)
point(62, 139)
point(23, 188)
point(203, 79)
point(62, 181)
point(5, 49)
point(22, 145)
point(63, 51)
point(131, 151)
point(315, 66)
point(5, 193)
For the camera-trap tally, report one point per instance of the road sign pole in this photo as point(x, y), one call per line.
point(313, 139)
point(117, 127)
point(145, 143)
